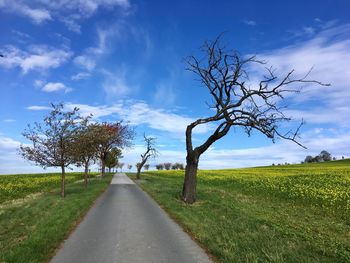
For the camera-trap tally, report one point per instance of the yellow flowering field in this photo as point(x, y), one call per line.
point(289, 213)
point(19, 185)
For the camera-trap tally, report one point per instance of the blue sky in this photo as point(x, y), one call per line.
point(123, 59)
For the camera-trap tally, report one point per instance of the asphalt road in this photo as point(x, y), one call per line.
point(126, 225)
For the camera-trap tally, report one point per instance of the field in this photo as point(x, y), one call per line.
point(34, 219)
point(292, 213)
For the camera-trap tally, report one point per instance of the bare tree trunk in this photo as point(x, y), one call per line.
point(138, 174)
point(63, 181)
point(189, 190)
point(86, 174)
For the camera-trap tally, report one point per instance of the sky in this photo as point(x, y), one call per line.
point(125, 60)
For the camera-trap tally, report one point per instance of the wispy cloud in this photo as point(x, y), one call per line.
point(85, 62)
point(327, 54)
point(35, 58)
point(140, 113)
point(69, 12)
point(9, 120)
point(37, 15)
point(164, 94)
point(249, 22)
point(39, 108)
point(81, 75)
point(115, 85)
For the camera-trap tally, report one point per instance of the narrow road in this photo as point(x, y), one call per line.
point(126, 225)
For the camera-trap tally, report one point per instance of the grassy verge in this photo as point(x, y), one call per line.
point(269, 214)
point(31, 228)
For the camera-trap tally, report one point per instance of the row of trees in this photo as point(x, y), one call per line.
point(65, 138)
point(168, 166)
point(324, 156)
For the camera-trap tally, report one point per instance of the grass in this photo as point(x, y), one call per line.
point(31, 228)
point(293, 213)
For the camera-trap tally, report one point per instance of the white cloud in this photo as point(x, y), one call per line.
point(35, 58)
point(10, 160)
point(338, 144)
point(85, 62)
point(55, 86)
point(71, 23)
point(115, 84)
point(37, 15)
point(69, 12)
point(38, 83)
point(138, 113)
point(9, 120)
point(328, 54)
point(164, 94)
point(249, 22)
point(81, 75)
point(38, 108)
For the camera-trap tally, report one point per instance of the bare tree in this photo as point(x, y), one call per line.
point(149, 153)
point(112, 135)
point(53, 140)
point(224, 73)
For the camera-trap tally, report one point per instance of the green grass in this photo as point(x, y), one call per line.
point(31, 228)
point(15, 186)
point(293, 213)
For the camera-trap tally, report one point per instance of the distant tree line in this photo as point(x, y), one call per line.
point(324, 156)
point(168, 166)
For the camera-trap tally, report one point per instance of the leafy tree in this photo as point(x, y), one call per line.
point(112, 135)
point(146, 166)
point(308, 159)
point(167, 166)
point(85, 148)
point(177, 166)
point(112, 158)
point(325, 156)
point(129, 167)
point(53, 140)
point(236, 102)
point(160, 166)
point(149, 153)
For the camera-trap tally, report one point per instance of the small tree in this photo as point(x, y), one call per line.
point(121, 165)
point(149, 153)
point(53, 140)
point(85, 148)
point(177, 166)
point(112, 135)
point(308, 159)
point(129, 167)
point(112, 158)
point(146, 166)
point(167, 166)
point(326, 156)
point(235, 102)
point(160, 166)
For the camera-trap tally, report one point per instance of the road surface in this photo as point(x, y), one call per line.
point(126, 225)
